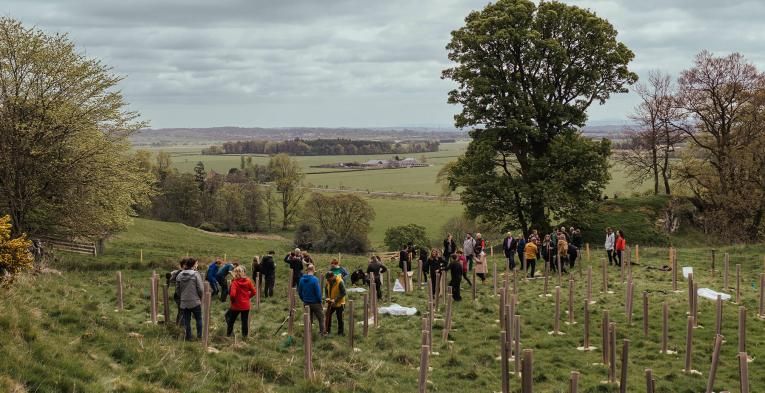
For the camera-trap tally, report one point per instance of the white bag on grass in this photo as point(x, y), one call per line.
point(397, 287)
point(711, 294)
point(395, 309)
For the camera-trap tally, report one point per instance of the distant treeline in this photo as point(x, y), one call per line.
point(323, 147)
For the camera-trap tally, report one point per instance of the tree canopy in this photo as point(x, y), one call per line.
point(65, 166)
point(525, 76)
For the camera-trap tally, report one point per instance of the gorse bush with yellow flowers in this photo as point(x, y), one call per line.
point(14, 252)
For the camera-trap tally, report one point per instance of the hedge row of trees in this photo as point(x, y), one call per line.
point(321, 147)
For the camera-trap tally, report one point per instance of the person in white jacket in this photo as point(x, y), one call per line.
point(609, 246)
point(468, 247)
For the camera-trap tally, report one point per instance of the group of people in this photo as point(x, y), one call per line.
point(558, 249)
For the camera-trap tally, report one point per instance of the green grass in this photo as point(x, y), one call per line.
point(62, 333)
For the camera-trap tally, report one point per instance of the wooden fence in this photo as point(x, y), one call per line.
point(79, 247)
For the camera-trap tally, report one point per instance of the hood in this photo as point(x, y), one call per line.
point(186, 275)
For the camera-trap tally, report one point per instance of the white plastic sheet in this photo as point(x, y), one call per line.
point(395, 309)
point(687, 270)
point(712, 294)
point(397, 287)
point(356, 290)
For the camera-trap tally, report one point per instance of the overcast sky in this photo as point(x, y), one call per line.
point(358, 63)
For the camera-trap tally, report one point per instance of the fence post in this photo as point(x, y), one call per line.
point(625, 362)
point(166, 304)
point(713, 365)
point(153, 297)
point(351, 324)
point(307, 345)
point(528, 370)
point(689, 346)
point(206, 302)
point(120, 302)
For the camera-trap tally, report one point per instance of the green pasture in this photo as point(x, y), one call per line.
point(63, 334)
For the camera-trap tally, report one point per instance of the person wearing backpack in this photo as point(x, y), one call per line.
point(171, 279)
point(212, 276)
point(268, 272)
point(242, 290)
point(222, 277)
point(191, 288)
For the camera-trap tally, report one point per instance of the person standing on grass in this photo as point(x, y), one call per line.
point(609, 246)
point(455, 276)
point(334, 292)
point(545, 249)
point(479, 249)
point(520, 249)
point(463, 261)
point(434, 264)
point(268, 272)
point(309, 291)
point(509, 246)
point(191, 287)
point(171, 279)
point(450, 246)
point(620, 246)
point(562, 254)
point(242, 290)
point(573, 254)
point(212, 275)
point(256, 270)
point(295, 261)
point(338, 270)
point(377, 268)
point(468, 248)
point(222, 278)
point(530, 254)
point(405, 259)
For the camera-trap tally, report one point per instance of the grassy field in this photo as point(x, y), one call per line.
point(62, 333)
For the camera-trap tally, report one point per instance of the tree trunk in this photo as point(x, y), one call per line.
point(655, 168)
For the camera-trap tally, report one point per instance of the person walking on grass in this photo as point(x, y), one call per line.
point(309, 291)
point(620, 246)
point(268, 272)
point(212, 276)
point(334, 292)
point(255, 271)
point(455, 276)
point(530, 254)
point(463, 261)
point(562, 253)
point(405, 259)
point(481, 267)
point(468, 248)
point(172, 279)
point(222, 278)
point(242, 290)
point(377, 268)
point(450, 246)
point(337, 269)
point(521, 250)
point(295, 261)
point(609, 246)
point(191, 287)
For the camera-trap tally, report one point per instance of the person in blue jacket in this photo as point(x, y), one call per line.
point(212, 276)
point(309, 291)
point(521, 256)
point(222, 277)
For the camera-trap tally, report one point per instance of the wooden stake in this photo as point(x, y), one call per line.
point(556, 322)
point(713, 262)
point(307, 355)
point(604, 275)
point(589, 284)
point(494, 277)
point(604, 337)
point(424, 361)
point(719, 312)
point(206, 303)
point(762, 295)
point(695, 304)
point(141, 255)
point(587, 248)
point(351, 324)
point(665, 328)
point(674, 270)
point(517, 343)
point(715, 361)
point(689, 346)
point(726, 261)
point(637, 253)
point(612, 352)
point(257, 291)
point(153, 297)
point(743, 372)
point(120, 300)
point(420, 277)
point(547, 279)
point(366, 315)
point(292, 311)
point(628, 302)
point(690, 294)
point(645, 313)
point(504, 366)
point(387, 284)
point(515, 282)
point(573, 383)
point(649, 380)
point(406, 278)
point(625, 361)
point(289, 286)
point(474, 286)
point(502, 300)
point(586, 345)
point(527, 383)
point(742, 329)
point(448, 322)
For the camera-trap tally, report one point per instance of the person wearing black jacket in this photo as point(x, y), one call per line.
point(404, 256)
point(268, 273)
point(455, 277)
point(376, 267)
point(509, 245)
point(434, 265)
point(450, 246)
point(423, 261)
point(573, 253)
point(295, 262)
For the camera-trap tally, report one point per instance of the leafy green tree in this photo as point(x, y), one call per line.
point(287, 177)
point(525, 76)
point(341, 222)
point(200, 175)
point(396, 237)
point(65, 166)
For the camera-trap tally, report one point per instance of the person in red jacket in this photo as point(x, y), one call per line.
point(242, 290)
point(621, 245)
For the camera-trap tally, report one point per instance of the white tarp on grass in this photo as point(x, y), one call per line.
point(712, 294)
point(395, 309)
